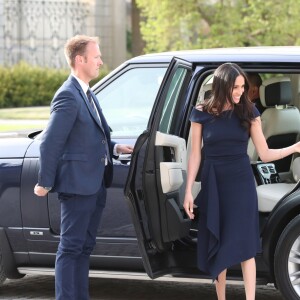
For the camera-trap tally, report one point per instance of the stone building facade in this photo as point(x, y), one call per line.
point(35, 30)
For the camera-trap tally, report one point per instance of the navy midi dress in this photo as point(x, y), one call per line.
point(228, 228)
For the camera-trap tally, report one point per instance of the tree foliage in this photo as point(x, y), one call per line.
point(191, 24)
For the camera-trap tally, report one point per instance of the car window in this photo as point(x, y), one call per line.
point(171, 100)
point(127, 102)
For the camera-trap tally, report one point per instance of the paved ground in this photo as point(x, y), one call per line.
point(42, 288)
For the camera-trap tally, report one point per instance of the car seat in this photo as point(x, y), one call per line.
point(280, 120)
point(204, 92)
point(270, 194)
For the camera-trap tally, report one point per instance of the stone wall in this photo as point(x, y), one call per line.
point(36, 30)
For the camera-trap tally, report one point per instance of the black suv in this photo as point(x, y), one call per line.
point(147, 102)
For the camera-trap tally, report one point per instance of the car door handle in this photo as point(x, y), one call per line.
point(124, 158)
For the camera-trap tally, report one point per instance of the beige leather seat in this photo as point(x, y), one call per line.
point(204, 92)
point(280, 121)
point(269, 194)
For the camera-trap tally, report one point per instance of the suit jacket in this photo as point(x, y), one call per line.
point(74, 144)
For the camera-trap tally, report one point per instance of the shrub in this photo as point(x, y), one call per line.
point(24, 85)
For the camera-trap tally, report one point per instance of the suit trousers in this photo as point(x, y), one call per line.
point(80, 219)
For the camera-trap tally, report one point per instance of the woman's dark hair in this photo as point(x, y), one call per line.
point(222, 87)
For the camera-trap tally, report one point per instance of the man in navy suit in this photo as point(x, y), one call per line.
point(76, 162)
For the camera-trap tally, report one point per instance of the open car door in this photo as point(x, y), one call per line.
point(156, 182)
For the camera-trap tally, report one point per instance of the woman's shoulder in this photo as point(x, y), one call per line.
point(255, 111)
point(199, 116)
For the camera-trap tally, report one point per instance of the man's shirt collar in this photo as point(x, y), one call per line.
point(83, 85)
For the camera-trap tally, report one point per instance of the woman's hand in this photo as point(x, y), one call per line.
point(297, 147)
point(188, 205)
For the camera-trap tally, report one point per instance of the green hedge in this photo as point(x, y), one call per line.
point(25, 85)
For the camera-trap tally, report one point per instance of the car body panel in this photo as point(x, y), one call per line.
point(14, 147)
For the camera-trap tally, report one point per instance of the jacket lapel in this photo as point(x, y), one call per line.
point(93, 114)
point(103, 124)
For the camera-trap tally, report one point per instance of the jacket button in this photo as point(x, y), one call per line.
point(103, 159)
point(103, 141)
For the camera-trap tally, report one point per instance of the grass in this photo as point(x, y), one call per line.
point(20, 127)
point(23, 118)
point(25, 113)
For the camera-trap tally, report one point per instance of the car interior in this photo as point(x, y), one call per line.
point(279, 95)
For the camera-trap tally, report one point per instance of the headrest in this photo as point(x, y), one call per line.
point(275, 91)
point(204, 92)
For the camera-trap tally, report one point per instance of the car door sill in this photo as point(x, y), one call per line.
point(125, 275)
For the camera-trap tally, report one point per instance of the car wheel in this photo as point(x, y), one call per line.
point(2, 273)
point(287, 261)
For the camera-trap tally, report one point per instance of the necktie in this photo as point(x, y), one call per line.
point(92, 103)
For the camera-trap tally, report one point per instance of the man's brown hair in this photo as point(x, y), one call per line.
point(77, 46)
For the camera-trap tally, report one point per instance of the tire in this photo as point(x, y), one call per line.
point(287, 261)
point(2, 273)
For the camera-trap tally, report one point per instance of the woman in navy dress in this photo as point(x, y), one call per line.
point(228, 231)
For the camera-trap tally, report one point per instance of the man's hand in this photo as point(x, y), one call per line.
point(40, 191)
point(124, 149)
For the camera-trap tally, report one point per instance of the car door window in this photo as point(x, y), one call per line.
point(127, 102)
point(171, 100)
